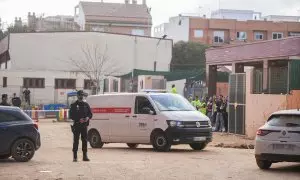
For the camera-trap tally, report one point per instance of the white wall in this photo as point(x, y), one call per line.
point(178, 84)
point(175, 31)
point(80, 19)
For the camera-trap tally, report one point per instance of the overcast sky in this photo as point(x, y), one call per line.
point(161, 9)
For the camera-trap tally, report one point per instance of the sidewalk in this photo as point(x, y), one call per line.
point(226, 140)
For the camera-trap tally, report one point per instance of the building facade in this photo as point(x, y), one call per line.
point(126, 18)
point(42, 61)
point(219, 32)
point(240, 15)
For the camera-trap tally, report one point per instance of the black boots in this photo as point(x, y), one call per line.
point(74, 156)
point(85, 157)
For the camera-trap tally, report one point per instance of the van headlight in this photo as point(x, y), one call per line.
point(173, 123)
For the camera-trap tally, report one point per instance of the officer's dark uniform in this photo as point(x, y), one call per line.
point(80, 110)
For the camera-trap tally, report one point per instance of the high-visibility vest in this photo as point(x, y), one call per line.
point(202, 108)
point(174, 90)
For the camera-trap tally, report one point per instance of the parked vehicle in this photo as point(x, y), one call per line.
point(279, 139)
point(159, 119)
point(19, 135)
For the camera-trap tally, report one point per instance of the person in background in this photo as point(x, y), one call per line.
point(174, 90)
point(219, 126)
point(209, 108)
point(16, 101)
point(4, 100)
point(27, 95)
point(225, 113)
point(80, 113)
point(203, 106)
point(196, 103)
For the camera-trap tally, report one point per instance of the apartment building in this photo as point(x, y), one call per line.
point(219, 31)
point(125, 18)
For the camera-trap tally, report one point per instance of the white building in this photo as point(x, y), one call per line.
point(277, 18)
point(41, 61)
point(242, 15)
point(177, 28)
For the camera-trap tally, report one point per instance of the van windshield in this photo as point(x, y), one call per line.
point(171, 102)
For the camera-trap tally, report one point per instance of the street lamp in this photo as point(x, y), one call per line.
point(155, 62)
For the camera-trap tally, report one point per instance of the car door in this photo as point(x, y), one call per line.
point(142, 121)
point(7, 131)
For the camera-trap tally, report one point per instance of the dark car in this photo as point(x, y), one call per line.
point(19, 134)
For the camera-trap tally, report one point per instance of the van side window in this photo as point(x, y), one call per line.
point(141, 103)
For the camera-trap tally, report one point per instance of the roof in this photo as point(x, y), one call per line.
point(287, 112)
point(115, 9)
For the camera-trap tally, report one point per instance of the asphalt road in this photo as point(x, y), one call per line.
point(116, 161)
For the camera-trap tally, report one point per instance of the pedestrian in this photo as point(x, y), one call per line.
point(4, 100)
point(219, 126)
point(80, 113)
point(26, 94)
point(16, 101)
point(196, 103)
point(174, 90)
point(209, 108)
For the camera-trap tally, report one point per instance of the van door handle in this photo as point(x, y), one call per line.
point(134, 116)
point(127, 116)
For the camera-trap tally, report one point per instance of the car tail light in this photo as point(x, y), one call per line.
point(35, 124)
point(262, 132)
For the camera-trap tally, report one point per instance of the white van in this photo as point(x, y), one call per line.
point(159, 119)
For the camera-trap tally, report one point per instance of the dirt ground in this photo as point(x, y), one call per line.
point(116, 161)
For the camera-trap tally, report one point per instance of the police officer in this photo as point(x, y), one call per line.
point(174, 90)
point(4, 100)
point(81, 114)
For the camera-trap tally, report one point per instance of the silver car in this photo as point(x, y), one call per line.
point(279, 139)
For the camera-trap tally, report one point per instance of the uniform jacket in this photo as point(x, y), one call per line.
point(80, 110)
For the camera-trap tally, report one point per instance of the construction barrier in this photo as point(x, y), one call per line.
point(61, 115)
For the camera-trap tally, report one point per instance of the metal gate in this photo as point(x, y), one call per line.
point(237, 103)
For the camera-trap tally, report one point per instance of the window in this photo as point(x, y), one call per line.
point(4, 82)
point(8, 117)
point(88, 84)
point(172, 102)
point(277, 35)
point(138, 32)
point(219, 36)
point(285, 121)
point(241, 35)
point(34, 82)
point(65, 83)
point(294, 33)
point(141, 103)
point(106, 85)
point(258, 36)
point(115, 85)
point(198, 33)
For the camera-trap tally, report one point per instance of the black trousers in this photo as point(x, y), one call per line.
point(80, 129)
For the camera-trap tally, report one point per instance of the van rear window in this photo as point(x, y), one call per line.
point(285, 121)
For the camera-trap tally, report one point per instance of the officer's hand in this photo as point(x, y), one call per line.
point(82, 120)
point(87, 119)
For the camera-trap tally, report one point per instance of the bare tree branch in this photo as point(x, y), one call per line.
point(94, 65)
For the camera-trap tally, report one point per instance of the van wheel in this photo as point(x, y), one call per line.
point(22, 150)
point(262, 164)
point(198, 146)
point(160, 142)
point(95, 140)
point(132, 146)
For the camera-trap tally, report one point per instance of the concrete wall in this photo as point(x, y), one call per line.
point(178, 84)
point(260, 106)
point(52, 51)
point(222, 89)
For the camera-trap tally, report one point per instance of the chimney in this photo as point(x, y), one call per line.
point(134, 1)
point(126, 1)
point(144, 2)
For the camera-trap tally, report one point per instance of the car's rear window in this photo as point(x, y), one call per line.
point(285, 121)
point(12, 115)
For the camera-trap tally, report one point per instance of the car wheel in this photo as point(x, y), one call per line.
point(95, 140)
point(5, 156)
point(132, 146)
point(263, 164)
point(23, 150)
point(160, 142)
point(198, 146)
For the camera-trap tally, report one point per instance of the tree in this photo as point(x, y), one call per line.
point(188, 56)
point(95, 65)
